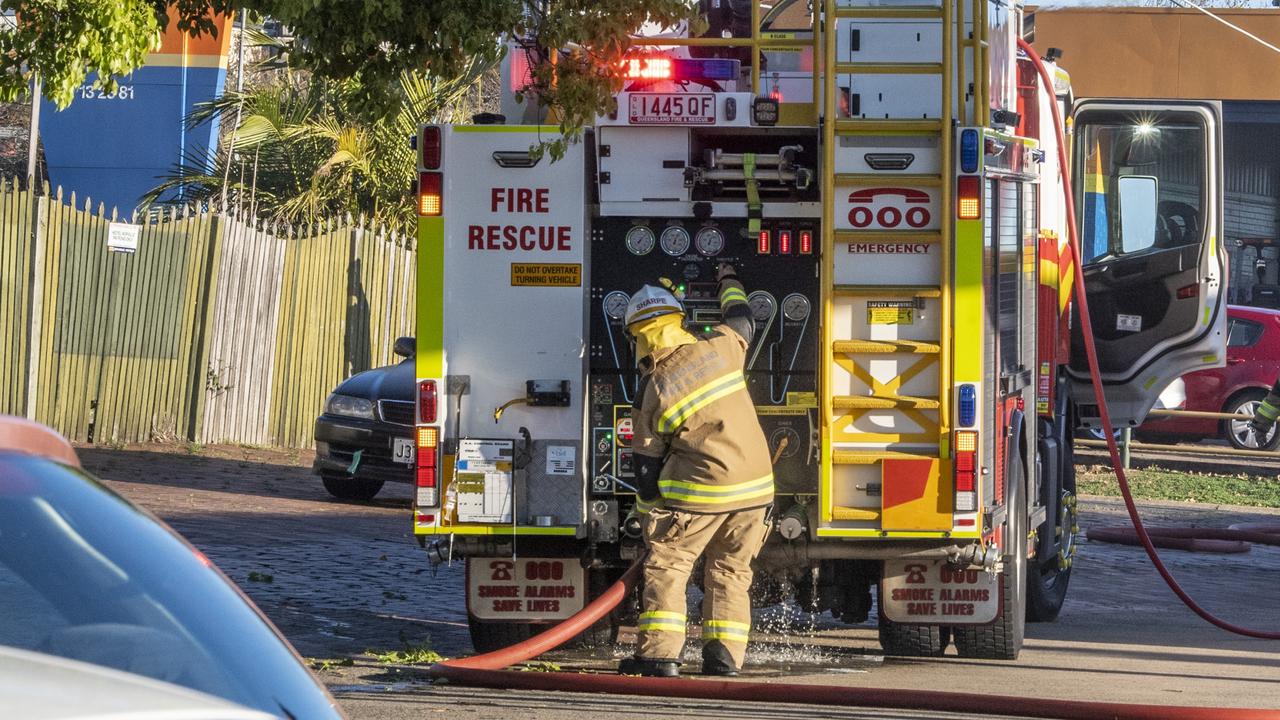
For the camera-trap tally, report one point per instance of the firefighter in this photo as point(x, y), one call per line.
point(1265, 414)
point(704, 478)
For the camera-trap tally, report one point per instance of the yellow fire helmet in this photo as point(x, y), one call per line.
point(651, 302)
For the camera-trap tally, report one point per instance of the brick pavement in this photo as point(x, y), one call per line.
point(349, 577)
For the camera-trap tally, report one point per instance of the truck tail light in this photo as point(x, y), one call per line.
point(806, 242)
point(966, 469)
point(430, 148)
point(763, 242)
point(784, 242)
point(969, 197)
point(426, 401)
point(428, 490)
point(430, 189)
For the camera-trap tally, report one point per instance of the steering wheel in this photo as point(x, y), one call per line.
point(1181, 220)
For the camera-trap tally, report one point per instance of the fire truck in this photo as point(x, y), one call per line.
point(885, 178)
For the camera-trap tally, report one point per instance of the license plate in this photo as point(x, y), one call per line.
point(930, 592)
point(525, 589)
point(672, 109)
point(402, 450)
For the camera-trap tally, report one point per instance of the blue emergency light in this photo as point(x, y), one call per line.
point(969, 148)
point(968, 405)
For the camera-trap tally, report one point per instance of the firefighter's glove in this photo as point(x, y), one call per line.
point(672, 288)
point(725, 271)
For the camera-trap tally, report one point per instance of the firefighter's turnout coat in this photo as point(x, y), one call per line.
point(698, 442)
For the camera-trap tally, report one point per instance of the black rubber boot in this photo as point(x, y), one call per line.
point(649, 668)
point(716, 660)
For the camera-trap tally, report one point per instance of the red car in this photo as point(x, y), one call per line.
point(1253, 364)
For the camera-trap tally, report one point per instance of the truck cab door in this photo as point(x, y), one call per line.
point(1148, 193)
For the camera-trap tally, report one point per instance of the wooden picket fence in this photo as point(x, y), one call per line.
point(217, 329)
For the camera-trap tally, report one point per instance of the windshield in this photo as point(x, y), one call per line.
point(1141, 187)
point(87, 576)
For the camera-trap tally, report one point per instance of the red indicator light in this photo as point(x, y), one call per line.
point(784, 242)
point(969, 197)
point(426, 476)
point(427, 401)
point(652, 67)
point(762, 246)
point(806, 242)
point(430, 148)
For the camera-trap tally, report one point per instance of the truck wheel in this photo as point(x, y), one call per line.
point(913, 640)
point(345, 487)
point(605, 632)
point(1048, 578)
point(490, 636)
point(1002, 638)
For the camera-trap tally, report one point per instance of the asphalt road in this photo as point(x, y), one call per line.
point(342, 579)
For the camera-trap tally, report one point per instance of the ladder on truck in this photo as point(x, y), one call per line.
point(886, 273)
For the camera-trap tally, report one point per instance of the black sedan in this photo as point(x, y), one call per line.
point(87, 576)
point(365, 435)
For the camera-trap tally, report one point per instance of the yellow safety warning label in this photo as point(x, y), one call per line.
point(890, 312)
point(781, 410)
point(546, 274)
point(802, 399)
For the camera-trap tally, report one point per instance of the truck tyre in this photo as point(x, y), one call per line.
point(913, 640)
point(490, 636)
point(605, 632)
point(1002, 638)
point(345, 487)
point(1048, 577)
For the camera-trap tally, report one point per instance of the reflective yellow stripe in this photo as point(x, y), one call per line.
point(725, 630)
point(1267, 411)
point(686, 406)
point(731, 295)
point(643, 507)
point(662, 621)
point(704, 493)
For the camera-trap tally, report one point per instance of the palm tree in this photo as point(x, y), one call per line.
point(304, 149)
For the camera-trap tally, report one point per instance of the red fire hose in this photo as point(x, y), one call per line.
point(485, 670)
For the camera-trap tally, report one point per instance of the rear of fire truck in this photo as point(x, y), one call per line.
point(907, 272)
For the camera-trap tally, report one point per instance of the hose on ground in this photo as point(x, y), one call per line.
point(1234, 539)
point(1091, 352)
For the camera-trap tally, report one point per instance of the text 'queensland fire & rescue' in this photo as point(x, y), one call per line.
point(527, 237)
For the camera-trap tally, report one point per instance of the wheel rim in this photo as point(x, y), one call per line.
point(1068, 526)
point(1242, 434)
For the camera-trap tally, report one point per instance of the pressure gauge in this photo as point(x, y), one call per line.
point(709, 241)
point(640, 240)
point(675, 241)
point(795, 307)
point(762, 305)
point(615, 303)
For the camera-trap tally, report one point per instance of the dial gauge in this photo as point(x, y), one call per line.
point(640, 240)
point(709, 241)
point(675, 241)
point(795, 307)
point(762, 305)
point(615, 304)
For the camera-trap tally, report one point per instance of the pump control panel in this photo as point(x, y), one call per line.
point(778, 267)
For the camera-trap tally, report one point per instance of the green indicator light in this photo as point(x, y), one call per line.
point(706, 328)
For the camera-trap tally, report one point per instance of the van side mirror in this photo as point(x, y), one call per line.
point(405, 347)
point(1138, 197)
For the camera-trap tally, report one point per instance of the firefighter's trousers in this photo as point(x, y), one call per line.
point(730, 542)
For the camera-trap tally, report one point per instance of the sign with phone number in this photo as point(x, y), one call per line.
point(525, 588)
